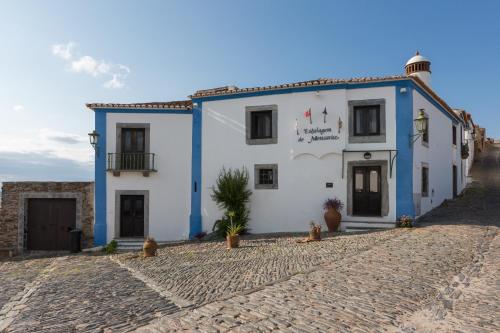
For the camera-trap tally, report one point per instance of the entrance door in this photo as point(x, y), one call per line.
point(367, 196)
point(49, 224)
point(132, 216)
point(133, 149)
point(455, 192)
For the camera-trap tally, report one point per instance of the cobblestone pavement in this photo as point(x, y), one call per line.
point(83, 294)
point(203, 272)
point(443, 277)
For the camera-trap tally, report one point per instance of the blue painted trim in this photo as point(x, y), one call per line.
point(195, 226)
point(168, 111)
point(397, 83)
point(404, 159)
point(100, 228)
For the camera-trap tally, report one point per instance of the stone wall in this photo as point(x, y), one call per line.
point(13, 208)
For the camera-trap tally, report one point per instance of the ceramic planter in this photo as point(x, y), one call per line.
point(233, 241)
point(332, 219)
point(149, 248)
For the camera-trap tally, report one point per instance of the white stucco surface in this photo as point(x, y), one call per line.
point(440, 154)
point(169, 188)
point(303, 169)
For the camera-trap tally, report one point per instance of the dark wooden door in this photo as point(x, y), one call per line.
point(49, 224)
point(367, 196)
point(132, 216)
point(455, 192)
point(133, 147)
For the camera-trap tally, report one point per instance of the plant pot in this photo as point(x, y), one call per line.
point(315, 235)
point(149, 248)
point(332, 219)
point(233, 241)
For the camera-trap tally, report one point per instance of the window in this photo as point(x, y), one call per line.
point(266, 176)
point(425, 181)
point(261, 124)
point(367, 120)
point(454, 134)
point(425, 135)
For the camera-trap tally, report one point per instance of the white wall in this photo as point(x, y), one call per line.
point(301, 175)
point(440, 155)
point(169, 188)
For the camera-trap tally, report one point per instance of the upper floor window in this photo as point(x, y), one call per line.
point(367, 120)
point(425, 135)
point(454, 134)
point(261, 124)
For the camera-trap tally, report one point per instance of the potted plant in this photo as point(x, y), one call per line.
point(233, 232)
point(314, 232)
point(332, 214)
point(231, 194)
point(405, 221)
point(149, 247)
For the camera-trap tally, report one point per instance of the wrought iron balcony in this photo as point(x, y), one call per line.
point(131, 162)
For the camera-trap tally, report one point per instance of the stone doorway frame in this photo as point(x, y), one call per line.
point(23, 211)
point(384, 184)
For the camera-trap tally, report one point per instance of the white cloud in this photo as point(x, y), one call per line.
point(114, 83)
point(63, 51)
point(18, 108)
point(116, 73)
point(48, 141)
point(89, 65)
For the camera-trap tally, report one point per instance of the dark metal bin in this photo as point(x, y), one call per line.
point(75, 241)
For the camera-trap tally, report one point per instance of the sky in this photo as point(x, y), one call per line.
point(56, 56)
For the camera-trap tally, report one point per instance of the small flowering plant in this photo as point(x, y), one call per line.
point(405, 221)
point(334, 203)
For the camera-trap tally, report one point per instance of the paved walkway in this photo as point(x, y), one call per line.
point(441, 277)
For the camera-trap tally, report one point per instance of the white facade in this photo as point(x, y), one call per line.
point(313, 154)
point(169, 188)
point(302, 171)
point(439, 155)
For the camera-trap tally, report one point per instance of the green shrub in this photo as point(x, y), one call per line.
point(111, 247)
point(232, 195)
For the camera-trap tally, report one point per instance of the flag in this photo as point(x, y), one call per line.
point(308, 114)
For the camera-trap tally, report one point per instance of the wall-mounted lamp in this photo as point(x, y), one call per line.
point(94, 139)
point(403, 90)
point(421, 126)
point(339, 124)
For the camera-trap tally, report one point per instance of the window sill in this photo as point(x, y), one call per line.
point(367, 139)
point(267, 141)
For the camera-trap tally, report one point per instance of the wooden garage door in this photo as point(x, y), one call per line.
point(49, 223)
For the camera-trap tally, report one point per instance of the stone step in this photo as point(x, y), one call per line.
point(132, 244)
point(358, 226)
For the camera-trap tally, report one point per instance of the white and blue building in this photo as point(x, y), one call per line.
point(302, 143)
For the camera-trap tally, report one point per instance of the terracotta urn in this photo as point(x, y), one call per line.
point(149, 247)
point(332, 219)
point(233, 241)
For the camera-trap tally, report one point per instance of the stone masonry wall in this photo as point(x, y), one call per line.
point(10, 209)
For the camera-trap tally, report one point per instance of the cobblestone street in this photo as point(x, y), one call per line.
point(440, 277)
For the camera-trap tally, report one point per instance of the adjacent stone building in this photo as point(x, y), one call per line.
point(40, 215)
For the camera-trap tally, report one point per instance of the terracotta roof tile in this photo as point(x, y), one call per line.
point(181, 105)
point(229, 90)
